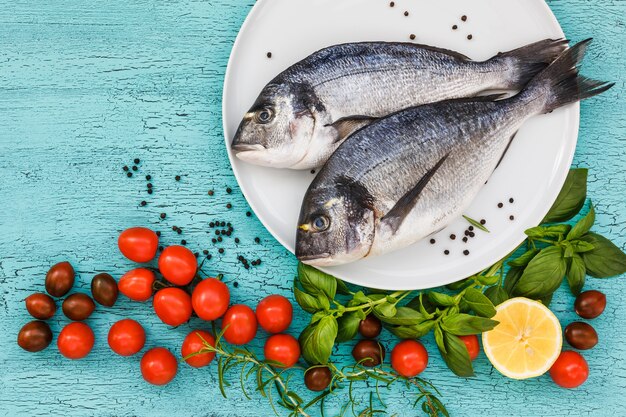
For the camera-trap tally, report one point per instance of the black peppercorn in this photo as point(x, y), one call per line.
point(500, 205)
point(465, 239)
point(134, 168)
point(229, 206)
point(179, 230)
point(219, 239)
point(136, 160)
point(211, 192)
point(483, 221)
point(158, 233)
point(258, 262)
point(129, 174)
point(229, 190)
point(257, 240)
point(209, 256)
point(162, 215)
point(454, 27)
point(149, 190)
point(269, 54)
point(469, 37)
point(177, 178)
point(432, 241)
point(149, 185)
point(452, 236)
point(246, 266)
point(511, 200)
point(511, 217)
point(465, 252)
point(206, 252)
point(148, 177)
point(406, 13)
point(183, 242)
point(143, 203)
point(221, 250)
point(236, 240)
point(471, 228)
point(223, 224)
point(248, 214)
point(464, 18)
point(125, 168)
point(235, 284)
point(214, 240)
point(174, 228)
point(446, 252)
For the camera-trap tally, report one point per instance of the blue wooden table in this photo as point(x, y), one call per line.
point(87, 86)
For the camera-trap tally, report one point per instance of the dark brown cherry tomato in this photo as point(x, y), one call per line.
point(138, 244)
point(75, 340)
point(60, 279)
point(178, 265)
point(172, 306)
point(194, 343)
point(78, 306)
point(239, 324)
point(41, 306)
point(210, 299)
point(409, 358)
point(282, 348)
point(317, 378)
point(104, 289)
point(158, 366)
point(590, 304)
point(370, 326)
point(471, 343)
point(274, 313)
point(34, 336)
point(137, 284)
point(126, 337)
point(369, 353)
point(581, 335)
point(570, 370)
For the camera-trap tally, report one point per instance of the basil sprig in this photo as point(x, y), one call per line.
point(551, 253)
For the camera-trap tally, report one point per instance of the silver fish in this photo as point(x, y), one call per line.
point(306, 112)
point(412, 173)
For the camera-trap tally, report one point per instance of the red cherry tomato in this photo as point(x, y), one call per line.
point(471, 343)
point(570, 369)
point(126, 337)
point(158, 366)
point(137, 284)
point(274, 313)
point(210, 299)
point(75, 340)
point(282, 348)
point(194, 343)
point(172, 306)
point(240, 324)
point(409, 358)
point(138, 244)
point(178, 265)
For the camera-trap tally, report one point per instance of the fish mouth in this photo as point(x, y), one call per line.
point(247, 147)
point(313, 258)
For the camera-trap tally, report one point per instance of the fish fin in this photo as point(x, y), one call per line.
point(346, 126)
point(505, 151)
point(526, 62)
point(561, 83)
point(405, 204)
point(488, 97)
point(450, 52)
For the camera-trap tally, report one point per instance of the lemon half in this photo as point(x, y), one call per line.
point(527, 341)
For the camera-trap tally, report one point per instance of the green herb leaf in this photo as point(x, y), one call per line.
point(605, 260)
point(514, 274)
point(385, 309)
point(583, 225)
point(459, 285)
point(308, 303)
point(464, 324)
point(543, 275)
point(476, 224)
point(580, 246)
point(348, 326)
point(413, 331)
point(317, 340)
point(571, 198)
point(439, 338)
point(496, 294)
point(315, 281)
point(479, 303)
point(441, 299)
point(342, 288)
point(525, 258)
point(456, 355)
point(403, 316)
point(576, 272)
point(487, 280)
point(546, 300)
point(359, 298)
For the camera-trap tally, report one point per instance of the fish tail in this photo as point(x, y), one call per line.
point(524, 63)
point(561, 83)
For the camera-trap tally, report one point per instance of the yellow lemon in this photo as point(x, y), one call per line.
point(526, 342)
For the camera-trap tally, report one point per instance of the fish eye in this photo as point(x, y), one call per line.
point(320, 223)
point(264, 115)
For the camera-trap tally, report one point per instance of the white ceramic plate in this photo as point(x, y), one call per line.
point(532, 172)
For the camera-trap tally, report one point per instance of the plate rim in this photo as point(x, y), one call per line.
point(559, 178)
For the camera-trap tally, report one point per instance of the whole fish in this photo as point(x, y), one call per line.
point(306, 112)
point(413, 172)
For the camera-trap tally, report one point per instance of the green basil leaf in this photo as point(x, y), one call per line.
point(476, 224)
point(463, 307)
point(413, 331)
point(536, 232)
point(404, 316)
point(439, 338)
point(487, 280)
point(459, 285)
point(569, 249)
point(385, 309)
point(525, 258)
point(606, 259)
point(348, 325)
point(317, 340)
point(318, 316)
point(456, 355)
point(580, 246)
point(441, 299)
point(308, 303)
point(583, 225)
point(571, 198)
point(479, 303)
point(511, 278)
point(543, 275)
point(324, 301)
point(576, 272)
point(342, 288)
point(465, 325)
point(497, 295)
point(315, 281)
